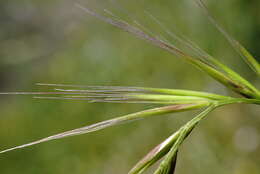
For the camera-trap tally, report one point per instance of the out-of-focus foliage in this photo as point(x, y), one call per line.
point(55, 42)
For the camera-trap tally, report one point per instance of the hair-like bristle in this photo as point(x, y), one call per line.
point(136, 31)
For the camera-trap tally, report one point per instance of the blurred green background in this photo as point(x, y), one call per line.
point(52, 41)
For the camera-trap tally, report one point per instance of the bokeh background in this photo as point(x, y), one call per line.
point(52, 41)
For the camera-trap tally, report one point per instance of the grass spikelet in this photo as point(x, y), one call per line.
point(205, 56)
point(113, 122)
point(203, 64)
point(245, 54)
point(167, 166)
point(120, 94)
point(155, 154)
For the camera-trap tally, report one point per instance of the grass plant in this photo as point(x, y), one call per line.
point(168, 100)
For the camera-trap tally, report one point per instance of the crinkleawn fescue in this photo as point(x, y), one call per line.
point(168, 100)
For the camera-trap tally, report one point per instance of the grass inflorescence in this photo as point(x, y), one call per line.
point(168, 100)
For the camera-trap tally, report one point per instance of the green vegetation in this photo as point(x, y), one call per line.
point(168, 100)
